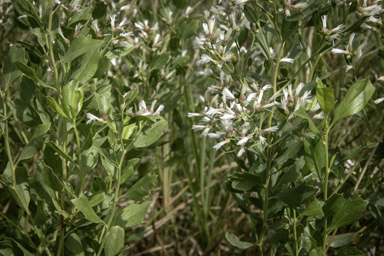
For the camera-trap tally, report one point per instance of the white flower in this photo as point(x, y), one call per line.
point(290, 60)
point(319, 116)
point(308, 135)
point(216, 135)
point(244, 140)
point(93, 118)
point(205, 59)
point(324, 20)
point(271, 129)
point(193, 114)
point(219, 145)
point(227, 93)
point(339, 51)
point(262, 139)
point(379, 100)
point(241, 152)
point(113, 19)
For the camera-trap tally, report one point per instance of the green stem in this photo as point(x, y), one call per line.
point(82, 178)
point(325, 184)
point(295, 233)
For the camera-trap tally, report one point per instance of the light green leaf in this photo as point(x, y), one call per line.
point(314, 209)
point(127, 131)
point(355, 100)
point(83, 205)
point(96, 198)
point(56, 106)
point(160, 61)
point(132, 215)
point(114, 241)
point(87, 66)
point(73, 244)
point(150, 134)
point(298, 195)
point(34, 144)
point(237, 243)
point(301, 113)
point(325, 97)
point(69, 98)
point(10, 70)
point(120, 51)
point(141, 188)
point(78, 47)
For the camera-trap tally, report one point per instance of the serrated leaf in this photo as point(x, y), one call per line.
point(132, 215)
point(354, 101)
point(237, 243)
point(298, 195)
point(348, 213)
point(141, 188)
point(114, 241)
point(78, 47)
point(314, 209)
point(83, 205)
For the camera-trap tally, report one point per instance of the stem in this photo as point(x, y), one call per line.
point(325, 184)
point(117, 188)
point(82, 178)
point(294, 233)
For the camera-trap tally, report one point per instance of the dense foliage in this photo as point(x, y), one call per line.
point(103, 102)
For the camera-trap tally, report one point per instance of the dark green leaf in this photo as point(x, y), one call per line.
point(10, 70)
point(315, 156)
point(245, 181)
point(237, 243)
point(355, 100)
point(73, 244)
point(181, 4)
point(314, 209)
point(292, 174)
point(28, 88)
point(58, 150)
point(243, 36)
point(120, 51)
point(27, 71)
point(352, 251)
point(50, 179)
point(277, 235)
point(190, 29)
point(298, 195)
point(341, 240)
point(114, 241)
point(34, 144)
point(250, 14)
point(348, 213)
point(129, 169)
point(88, 65)
point(31, 49)
point(83, 205)
point(290, 151)
point(141, 188)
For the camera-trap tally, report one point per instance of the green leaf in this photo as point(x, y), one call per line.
point(73, 244)
point(88, 66)
point(120, 51)
point(289, 28)
point(81, 15)
point(96, 198)
point(130, 96)
point(348, 213)
point(27, 71)
point(132, 215)
point(129, 169)
point(181, 4)
point(245, 181)
point(160, 61)
point(358, 151)
point(22, 185)
point(25, 113)
point(78, 47)
point(150, 134)
point(34, 144)
point(314, 209)
point(298, 195)
point(10, 247)
point(292, 174)
point(333, 205)
point(250, 14)
point(290, 151)
point(314, 156)
point(355, 100)
point(31, 49)
point(114, 241)
point(28, 88)
point(50, 179)
point(83, 205)
point(127, 131)
point(301, 113)
point(277, 235)
point(56, 106)
point(243, 35)
point(72, 98)
point(10, 70)
point(237, 243)
point(313, 5)
point(325, 97)
point(190, 29)
point(352, 251)
point(341, 240)
point(141, 188)
point(58, 150)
